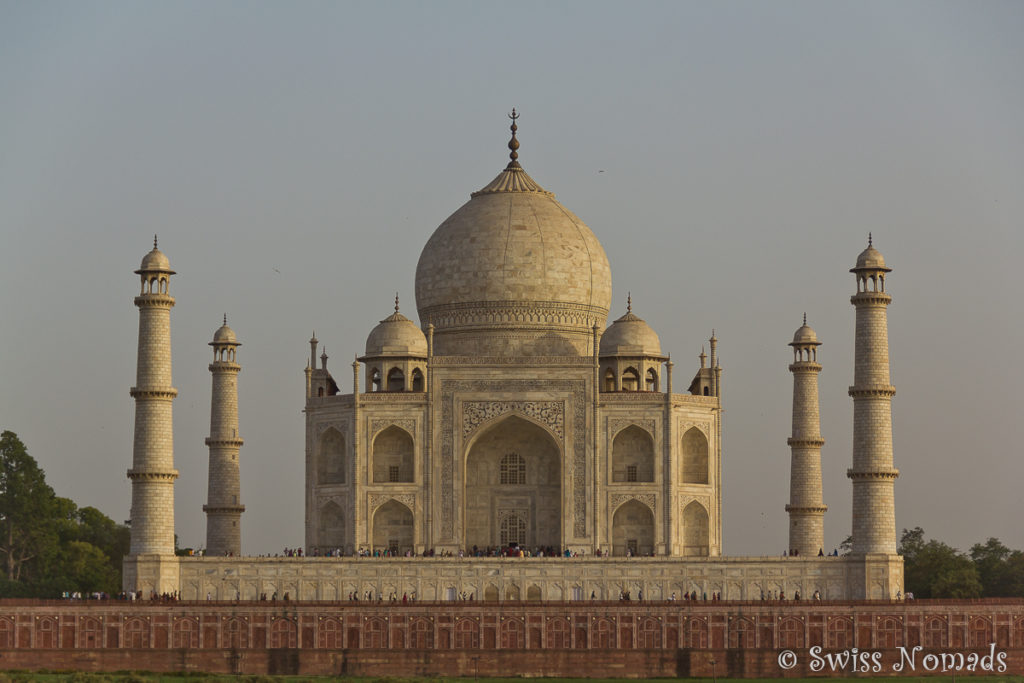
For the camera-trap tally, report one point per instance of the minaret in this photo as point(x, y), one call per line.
point(873, 474)
point(806, 511)
point(152, 473)
point(223, 510)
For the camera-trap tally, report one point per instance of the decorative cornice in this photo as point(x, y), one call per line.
point(876, 475)
point(471, 315)
point(876, 391)
point(870, 298)
point(483, 361)
point(166, 394)
point(392, 397)
point(215, 509)
point(147, 475)
point(233, 442)
point(809, 509)
point(805, 366)
point(805, 443)
point(224, 367)
point(154, 301)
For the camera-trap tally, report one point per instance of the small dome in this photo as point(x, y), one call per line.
point(155, 262)
point(396, 335)
point(805, 335)
point(225, 335)
point(630, 336)
point(870, 258)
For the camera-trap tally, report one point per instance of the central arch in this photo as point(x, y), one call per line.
point(513, 477)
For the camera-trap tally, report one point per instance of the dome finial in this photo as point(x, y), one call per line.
point(869, 239)
point(225, 318)
point(396, 302)
point(513, 144)
point(805, 317)
point(154, 240)
point(629, 302)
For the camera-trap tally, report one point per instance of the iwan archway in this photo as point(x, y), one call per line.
point(513, 491)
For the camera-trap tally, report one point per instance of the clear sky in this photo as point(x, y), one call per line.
point(730, 156)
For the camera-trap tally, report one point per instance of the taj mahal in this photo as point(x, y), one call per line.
point(512, 444)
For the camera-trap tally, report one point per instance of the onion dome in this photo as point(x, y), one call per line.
point(805, 336)
point(630, 336)
point(870, 259)
point(513, 272)
point(155, 262)
point(225, 335)
point(396, 335)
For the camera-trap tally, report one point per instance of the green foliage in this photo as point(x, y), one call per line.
point(47, 544)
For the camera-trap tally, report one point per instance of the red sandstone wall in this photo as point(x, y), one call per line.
point(543, 639)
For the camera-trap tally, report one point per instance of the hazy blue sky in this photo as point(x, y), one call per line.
point(295, 157)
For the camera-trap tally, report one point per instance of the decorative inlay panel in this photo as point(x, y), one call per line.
point(615, 426)
point(384, 423)
point(550, 413)
point(617, 499)
point(378, 499)
point(686, 500)
point(578, 449)
point(703, 426)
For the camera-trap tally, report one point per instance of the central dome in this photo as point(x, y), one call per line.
point(513, 272)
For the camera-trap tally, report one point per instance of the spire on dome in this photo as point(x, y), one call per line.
point(225, 318)
point(513, 144)
point(154, 240)
point(396, 302)
point(629, 302)
point(805, 317)
point(869, 239)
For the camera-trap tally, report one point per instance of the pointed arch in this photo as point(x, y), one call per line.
point(331, 530)
point(329, 634)
point(633, 455)
point(330, 465)
point(609, 379)
point(632, 529)
point(184, 633)
point(695, 457)
point(696, 527)
point(393, 456)
point(630, 379)
point(651, 380)
point(741, 633)
point(791, 633)
point(417, 380)
point(393, 527)
point(396, 379)
point(537, 495)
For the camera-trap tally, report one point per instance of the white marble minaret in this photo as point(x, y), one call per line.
point(152, 473)
point(873, 474)
point(806, 510)
point(223, 509)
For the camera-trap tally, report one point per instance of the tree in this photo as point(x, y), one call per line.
point(932, 569)
point(27, 507)
point(990, 559)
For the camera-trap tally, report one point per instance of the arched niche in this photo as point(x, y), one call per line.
point(695, 457)
point(331, 458)
point(696, 538)
point(393, 527)
point(632, 529)
point(396, 380)
point(533, 488)
point(393, 456)
point(331, 534)
point(633, 456)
